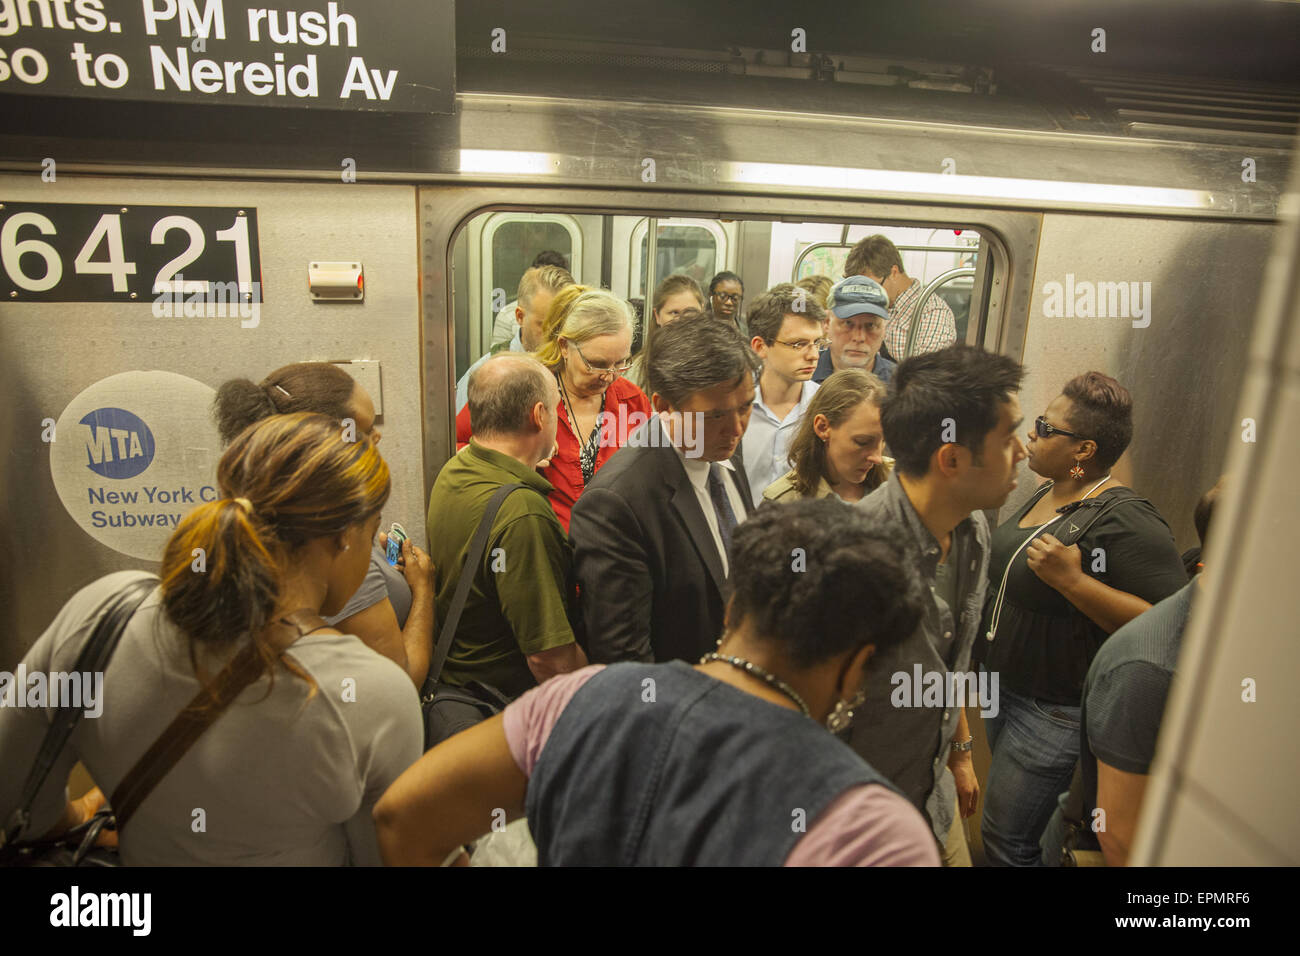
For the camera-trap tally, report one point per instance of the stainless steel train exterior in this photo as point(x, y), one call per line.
point(1111, 204)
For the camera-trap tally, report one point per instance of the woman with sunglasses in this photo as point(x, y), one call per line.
point(1050, 607)
point(586, 343)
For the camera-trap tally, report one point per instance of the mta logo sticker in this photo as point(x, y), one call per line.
point(118, 443)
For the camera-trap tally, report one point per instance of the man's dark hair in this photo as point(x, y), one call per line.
point(768, 312)
point(549, 257)
point(503, 391)
point(818, 578)
point(722, 277)
point(874, 256)
point(961, 387)
point(694, 353)
point(1101, 409)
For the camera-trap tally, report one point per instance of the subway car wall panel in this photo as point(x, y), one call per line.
point(1176, 333)
point(68, 515)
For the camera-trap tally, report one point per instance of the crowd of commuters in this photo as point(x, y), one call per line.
point(711, 527)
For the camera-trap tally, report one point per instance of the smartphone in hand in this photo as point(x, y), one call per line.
point(396, 535)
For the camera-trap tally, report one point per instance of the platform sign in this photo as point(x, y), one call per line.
point(386, 55)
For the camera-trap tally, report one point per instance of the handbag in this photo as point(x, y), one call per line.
point(1077, 832)
point(73, 847)
point(449, 708)
point(174, 742)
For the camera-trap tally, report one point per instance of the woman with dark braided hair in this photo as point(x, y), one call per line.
point(392, 610)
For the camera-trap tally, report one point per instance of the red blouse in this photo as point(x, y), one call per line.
point(626, 408)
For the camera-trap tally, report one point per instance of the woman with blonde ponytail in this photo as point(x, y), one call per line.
point(586, 343)
point(289, 772)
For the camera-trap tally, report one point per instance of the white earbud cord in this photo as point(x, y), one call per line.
point(1002, 589)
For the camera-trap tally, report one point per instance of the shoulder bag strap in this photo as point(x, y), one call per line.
point(208, 704)
point(94, 658)
point(477, 545)
point(1087, 513)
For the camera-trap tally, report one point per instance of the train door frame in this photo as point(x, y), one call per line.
point(445, 211)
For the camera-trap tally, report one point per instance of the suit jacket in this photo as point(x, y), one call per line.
point(652, 583)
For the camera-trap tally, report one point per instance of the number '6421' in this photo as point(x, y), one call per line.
point(161, 246)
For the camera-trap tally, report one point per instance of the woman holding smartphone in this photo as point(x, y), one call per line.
point(392, 610)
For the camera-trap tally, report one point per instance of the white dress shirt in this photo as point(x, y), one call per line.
point(767, 440)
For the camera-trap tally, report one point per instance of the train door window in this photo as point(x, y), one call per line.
point(510, 242)
point(943, 262)
point(693, 247)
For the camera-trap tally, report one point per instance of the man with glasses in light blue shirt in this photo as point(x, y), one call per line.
point(859, 318)
point(786, 329)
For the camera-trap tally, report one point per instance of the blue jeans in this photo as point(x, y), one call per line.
point(1035, 745)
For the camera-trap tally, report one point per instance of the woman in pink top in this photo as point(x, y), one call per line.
point(730, 762)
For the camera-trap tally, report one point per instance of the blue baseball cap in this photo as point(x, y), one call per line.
point(857, 295)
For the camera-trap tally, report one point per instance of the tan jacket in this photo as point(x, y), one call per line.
point(783, 488)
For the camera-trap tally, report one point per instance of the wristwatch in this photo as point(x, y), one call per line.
point(964, 746)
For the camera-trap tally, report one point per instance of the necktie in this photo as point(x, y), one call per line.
point(721, 505)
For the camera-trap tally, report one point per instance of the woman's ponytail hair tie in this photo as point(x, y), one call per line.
point(245, 504)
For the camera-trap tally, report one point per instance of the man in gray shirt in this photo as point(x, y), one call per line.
point(950, 420)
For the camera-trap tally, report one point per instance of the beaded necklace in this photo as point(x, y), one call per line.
point(749, 667)
point(587, 448)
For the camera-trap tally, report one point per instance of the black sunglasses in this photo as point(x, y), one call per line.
point(1047, 431)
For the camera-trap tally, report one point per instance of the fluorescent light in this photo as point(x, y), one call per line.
point(944, 185)
point(511, 161)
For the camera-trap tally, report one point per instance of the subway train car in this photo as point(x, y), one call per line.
point(1073, 217)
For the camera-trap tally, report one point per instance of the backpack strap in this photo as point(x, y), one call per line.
point(208, 704)
point(473, 557)
point(94, 657)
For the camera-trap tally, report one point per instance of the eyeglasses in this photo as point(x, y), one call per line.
point(728, 296)
point(615, 371)
point(802, 345)
point(1045, 430)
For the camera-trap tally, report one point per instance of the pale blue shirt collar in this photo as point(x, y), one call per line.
point(806, 392)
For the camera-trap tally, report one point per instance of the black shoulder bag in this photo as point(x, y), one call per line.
point(448, 708)
point(73, 847)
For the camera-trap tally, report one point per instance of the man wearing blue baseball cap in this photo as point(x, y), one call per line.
point(858, 309)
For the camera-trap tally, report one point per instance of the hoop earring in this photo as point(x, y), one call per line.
point(841, 717)
point(1076, 472)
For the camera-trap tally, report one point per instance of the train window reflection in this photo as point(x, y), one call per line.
point(680, 250)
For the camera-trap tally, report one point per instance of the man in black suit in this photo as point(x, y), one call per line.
point(652, 530)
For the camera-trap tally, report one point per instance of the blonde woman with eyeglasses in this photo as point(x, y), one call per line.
point(586, 343)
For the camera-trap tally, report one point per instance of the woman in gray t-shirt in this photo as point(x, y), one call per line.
point(288, 774)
